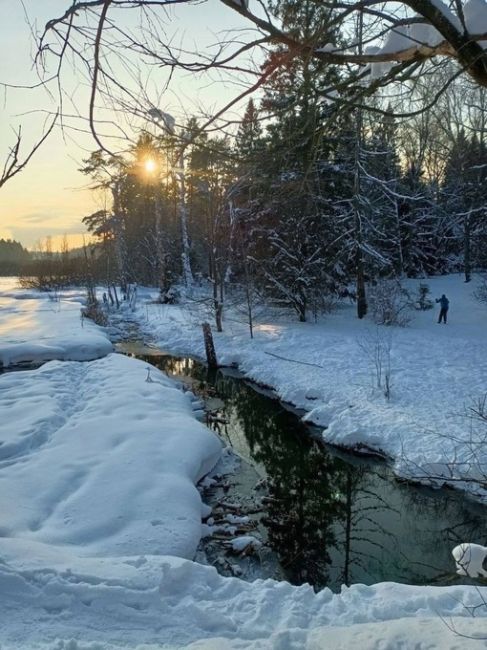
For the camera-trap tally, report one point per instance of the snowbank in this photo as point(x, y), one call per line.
point(63, 602)
point(37, 327)
point(437, 372)
point(95, 457)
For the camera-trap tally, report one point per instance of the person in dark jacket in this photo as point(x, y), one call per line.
point(444, 304)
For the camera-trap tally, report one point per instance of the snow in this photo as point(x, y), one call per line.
point(470, 560)
point(437, 373)
point(424, 34)
point(243, 542)
point(327, 47)
point(128, 602)
point(105, 431)
point(418, 34)
point(447, 13)
point(101, 517)
point(475, 14)
point(397, 40)
point(37, 327)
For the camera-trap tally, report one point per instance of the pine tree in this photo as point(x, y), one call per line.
point(465, 198)
point(290, 209)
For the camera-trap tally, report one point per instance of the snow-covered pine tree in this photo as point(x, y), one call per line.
point(291, 200)
point(464, 194)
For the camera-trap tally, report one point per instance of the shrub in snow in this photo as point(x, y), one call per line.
point(389, 303)
point(94, 311)
point(423, 302)
point(170, 297)
point(245, 543)
point(481, 292)
point(377, 346)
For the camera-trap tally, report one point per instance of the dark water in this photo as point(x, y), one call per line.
point(335, 518)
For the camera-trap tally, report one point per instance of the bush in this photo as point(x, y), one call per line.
point(481, 292)
point(423, 302)
point(389, 303)
point(94, 311)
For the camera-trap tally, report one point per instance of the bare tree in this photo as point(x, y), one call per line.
point(415, 34)
point(15, 161)
point(91, 34)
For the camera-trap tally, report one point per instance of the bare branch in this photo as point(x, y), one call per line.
point(14, 163)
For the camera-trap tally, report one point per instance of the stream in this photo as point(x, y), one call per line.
point(324, 516)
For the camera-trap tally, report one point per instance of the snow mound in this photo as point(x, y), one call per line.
point(75, 603)
point(101, 460)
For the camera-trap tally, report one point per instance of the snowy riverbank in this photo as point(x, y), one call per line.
point(101, 517)
point(37, 327)
point(437, 373)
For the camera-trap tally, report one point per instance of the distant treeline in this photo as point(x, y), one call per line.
point(46, 269)
point(13, 257)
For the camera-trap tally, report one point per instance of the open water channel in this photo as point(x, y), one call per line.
point(329, 517)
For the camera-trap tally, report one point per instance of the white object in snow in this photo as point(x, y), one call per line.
point(471, 560)
point(239, 544)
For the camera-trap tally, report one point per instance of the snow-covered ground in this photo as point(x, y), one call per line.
point(37, 327)
point(437, 373)
point(100, 518)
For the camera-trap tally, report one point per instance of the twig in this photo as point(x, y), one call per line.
point(304, 363)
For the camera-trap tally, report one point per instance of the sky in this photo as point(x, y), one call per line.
point(50, 196)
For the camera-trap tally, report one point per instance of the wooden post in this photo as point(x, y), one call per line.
point(209, 346)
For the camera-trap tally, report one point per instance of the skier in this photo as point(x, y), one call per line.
point(444, 304)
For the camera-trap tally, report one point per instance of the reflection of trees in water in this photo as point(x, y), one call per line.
point(333, 521)
point(436, 522)
point(304, 484)
point(322, 508)
point(323, 519)
point(365, 540)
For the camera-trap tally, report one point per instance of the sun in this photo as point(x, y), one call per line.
point(150, 165)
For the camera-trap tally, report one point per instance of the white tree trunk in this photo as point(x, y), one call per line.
point(183, 217)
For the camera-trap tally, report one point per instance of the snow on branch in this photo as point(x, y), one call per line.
point(434, 30)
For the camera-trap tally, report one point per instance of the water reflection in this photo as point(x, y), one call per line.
point(334, 518)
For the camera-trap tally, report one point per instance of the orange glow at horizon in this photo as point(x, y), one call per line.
point(72, 240)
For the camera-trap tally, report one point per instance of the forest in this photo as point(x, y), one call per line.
point(305, 203)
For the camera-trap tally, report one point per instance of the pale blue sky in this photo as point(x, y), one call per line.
point(48, 198)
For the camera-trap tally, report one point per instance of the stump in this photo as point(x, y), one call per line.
point(209, 346)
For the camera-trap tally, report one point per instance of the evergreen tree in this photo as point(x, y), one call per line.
point(290, 209)
point(465, 199)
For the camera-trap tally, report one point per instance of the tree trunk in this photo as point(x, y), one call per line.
point(361, 297)
point(400, 255)
point(183, 216)
point(120, 250)
point(248, 294)
point(348, 531)
point(467, 257)
point(218, 315)
point(209, 346)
